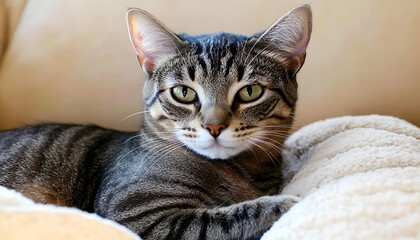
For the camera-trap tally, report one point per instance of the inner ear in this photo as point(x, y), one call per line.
point(153, 42)
point(289, 37)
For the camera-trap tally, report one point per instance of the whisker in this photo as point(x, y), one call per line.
point(269, 154)
point(173, 148)
point(256, 55)
point(255, 155)
point(243, 48)
point(252, 48)
point(276, 148)
point(282, 149)
point(151, 133)
point(132, 115)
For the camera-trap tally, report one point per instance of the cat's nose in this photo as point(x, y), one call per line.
point(214, 129)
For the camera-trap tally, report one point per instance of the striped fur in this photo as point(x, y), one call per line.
point(206, 169)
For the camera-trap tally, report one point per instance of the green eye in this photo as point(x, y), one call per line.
point(183, 94)
point(250, 93)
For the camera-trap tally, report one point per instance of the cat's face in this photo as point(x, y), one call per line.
point(222, 94)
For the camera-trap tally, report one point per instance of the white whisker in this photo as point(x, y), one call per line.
point(132, 115)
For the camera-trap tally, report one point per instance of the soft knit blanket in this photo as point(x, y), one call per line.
point(358, 177)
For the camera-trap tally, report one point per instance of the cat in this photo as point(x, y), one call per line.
point(206, 163)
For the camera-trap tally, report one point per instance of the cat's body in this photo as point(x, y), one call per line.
point(208, 156)
point(117, 179)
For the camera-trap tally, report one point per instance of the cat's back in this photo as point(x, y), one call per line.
point(52, 163)
point(50, 141)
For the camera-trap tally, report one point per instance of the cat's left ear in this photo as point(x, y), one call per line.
point(289, 37)
point(152, 41)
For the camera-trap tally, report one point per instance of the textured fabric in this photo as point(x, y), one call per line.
point(21, 219)
point(358, 177)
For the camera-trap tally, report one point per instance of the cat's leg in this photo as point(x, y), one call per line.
point(245, 220)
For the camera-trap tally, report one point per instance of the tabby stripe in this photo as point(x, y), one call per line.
point(229, 64)
point(257, 210)
point(179, 75)
point(166, 109)
point(26, 148)
point(279, 117)
point(16, 167)
point(155, 210)
point(191, 72)
point(241, 71)
point(204, 223)
point(149, 229)
point(89, 172)
point(233, 48)
point(194, 187)
point(283, 96)
point(154, 98)
point(71, 140)
point(185, 223)
point(222, 221)
point(161, 118)
point(199, 49)
point(151, 198)
point(239, 216)
point(43, 151)
point(270, 109)
point(202, 64)
point(173, 226)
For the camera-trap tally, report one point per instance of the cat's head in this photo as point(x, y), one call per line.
point(222, 94)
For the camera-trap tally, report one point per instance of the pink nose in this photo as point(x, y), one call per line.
point(214, 129)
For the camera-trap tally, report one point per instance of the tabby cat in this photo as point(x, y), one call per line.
point(207, 161)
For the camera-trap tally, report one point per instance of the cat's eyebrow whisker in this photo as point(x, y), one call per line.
point(252, 48)
point(243, 48)
point(132, 115)
point(256, 55)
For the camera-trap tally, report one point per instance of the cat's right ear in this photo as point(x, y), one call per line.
point(152, 41)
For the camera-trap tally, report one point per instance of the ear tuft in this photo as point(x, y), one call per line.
point(289, 36)
point(152, 41)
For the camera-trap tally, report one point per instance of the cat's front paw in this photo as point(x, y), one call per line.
point(279, 204)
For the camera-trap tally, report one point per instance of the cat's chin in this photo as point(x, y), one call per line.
point(216, 151)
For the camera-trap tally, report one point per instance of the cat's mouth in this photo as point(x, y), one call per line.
point(216, 149)
point(217, 145)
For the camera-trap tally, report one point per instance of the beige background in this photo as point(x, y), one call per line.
point(71, 60)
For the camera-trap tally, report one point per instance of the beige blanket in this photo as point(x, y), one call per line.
point(358, 177)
